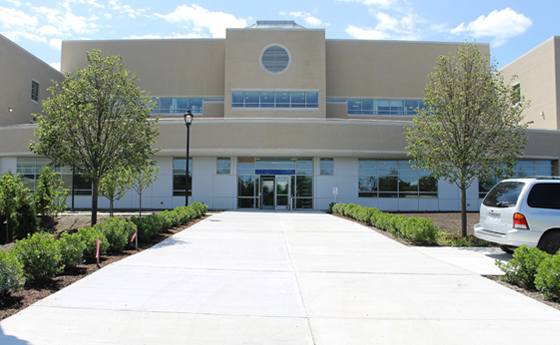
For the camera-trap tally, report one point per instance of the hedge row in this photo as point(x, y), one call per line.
point(416, 230)
point(40, 256)
point(532, 268)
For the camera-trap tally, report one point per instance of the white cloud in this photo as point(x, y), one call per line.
point(12, 18)
point(48, 30)
point(14, 2)
point(366, 34)
point(215, 22)
point(500, 25)
point(14, 35)
point(56, 43)
point(388, 27)
point(307, 17)
point(55, 65)
point(158, 37)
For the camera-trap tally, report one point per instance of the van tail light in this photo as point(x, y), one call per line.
point(520, 222)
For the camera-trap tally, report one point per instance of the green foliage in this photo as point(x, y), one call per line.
point(39, 256)
point(118, 232)
point(417, 230)
point(151, 225)
point(97, 120)
point(472, 120)
point(115, 185)
point(11, 272)
point(89, 236)
point(547, 279)
point(71, 247)
point(16, 205)
point(142, 178)
point(50, 194)
point(521, 270)
point(455, 240)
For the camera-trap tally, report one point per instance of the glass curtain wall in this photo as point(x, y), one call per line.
point(29, 168)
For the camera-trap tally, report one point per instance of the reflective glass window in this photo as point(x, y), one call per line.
point(223, 166)
point(251, 99)
point(298, 99)
point(312, 99)
point(195, 104)
point(327, 166)
point(179, 177)
point(267, 99)
point(282, 99)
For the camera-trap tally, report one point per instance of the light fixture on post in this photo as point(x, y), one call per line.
point(10, 110)
point(188, 117)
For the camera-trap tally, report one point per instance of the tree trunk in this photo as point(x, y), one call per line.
point(140, 209)
point(94, 200)
point(111, 208)
point(463, 210)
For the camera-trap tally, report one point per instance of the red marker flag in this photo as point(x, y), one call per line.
point(98, 244)
point(134, 236)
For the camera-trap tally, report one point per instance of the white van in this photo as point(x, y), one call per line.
point(522, 211)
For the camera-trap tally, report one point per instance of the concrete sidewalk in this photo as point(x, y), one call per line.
point(287, 278)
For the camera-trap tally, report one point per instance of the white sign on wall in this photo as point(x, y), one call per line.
point(335, 191)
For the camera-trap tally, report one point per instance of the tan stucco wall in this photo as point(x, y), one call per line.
point(382, 69)
point(244, 72)
point(18, 69)
point(537, 74)
point(166, 68)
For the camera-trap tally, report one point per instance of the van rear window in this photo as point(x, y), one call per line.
point(504, 194)
point(544, 195)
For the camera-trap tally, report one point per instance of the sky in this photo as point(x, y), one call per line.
point(512, 28)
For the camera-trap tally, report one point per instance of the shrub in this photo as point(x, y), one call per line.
point(72, 249)
point(547, 279)
point(40, 256)
point(148, 226)
point(89, 236)
point(419, 230)
point(521, 270)
point(11, 272)
point(50, 194)
point(117, 231)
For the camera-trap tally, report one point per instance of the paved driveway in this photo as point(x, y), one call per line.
point(285, 278)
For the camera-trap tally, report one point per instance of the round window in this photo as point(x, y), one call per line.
point(275, 59)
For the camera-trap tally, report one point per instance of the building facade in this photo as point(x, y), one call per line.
point(287, 118)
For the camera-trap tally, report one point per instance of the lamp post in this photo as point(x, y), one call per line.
point(188, 117)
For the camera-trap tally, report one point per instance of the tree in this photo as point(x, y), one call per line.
point(115, 185)
point(50, 194)
point(472, 125)
point(142, 178)
point(96, 121)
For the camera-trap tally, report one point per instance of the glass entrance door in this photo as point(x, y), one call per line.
point(267, 192)
point(283, 192)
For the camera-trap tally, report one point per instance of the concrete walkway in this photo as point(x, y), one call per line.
point(287, 278)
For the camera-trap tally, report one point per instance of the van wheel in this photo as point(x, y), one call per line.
point(508, 250)
point(550, 242)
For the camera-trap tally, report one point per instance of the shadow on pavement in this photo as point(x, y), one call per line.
point(10, 340)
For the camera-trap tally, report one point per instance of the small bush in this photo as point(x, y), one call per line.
point(11, 272)
point(89, 236)
point(117, 231)
point(456, 240)
point(547, 279)
point(40, 256)
point(419, 230)
point(521, 270)
point(72, 249)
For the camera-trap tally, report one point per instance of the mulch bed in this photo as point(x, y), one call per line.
point(12, 303)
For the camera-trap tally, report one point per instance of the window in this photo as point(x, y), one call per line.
point(223, 166)
point(528, 168)
point(180, 182)
point(327, 166)
point(275, 59)
point(34, 90)
point(364, 106)
point(394, 179)
point(545, 195)
point(517, 93)
point(29, 168)
point(275, 99)
point(179, 105)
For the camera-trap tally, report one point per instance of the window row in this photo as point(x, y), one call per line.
point(29, 168)
point(380, 178)
point(275, 99)
point(528, 168)
point(166, 105)
point(180, 181)
point(363, 106)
